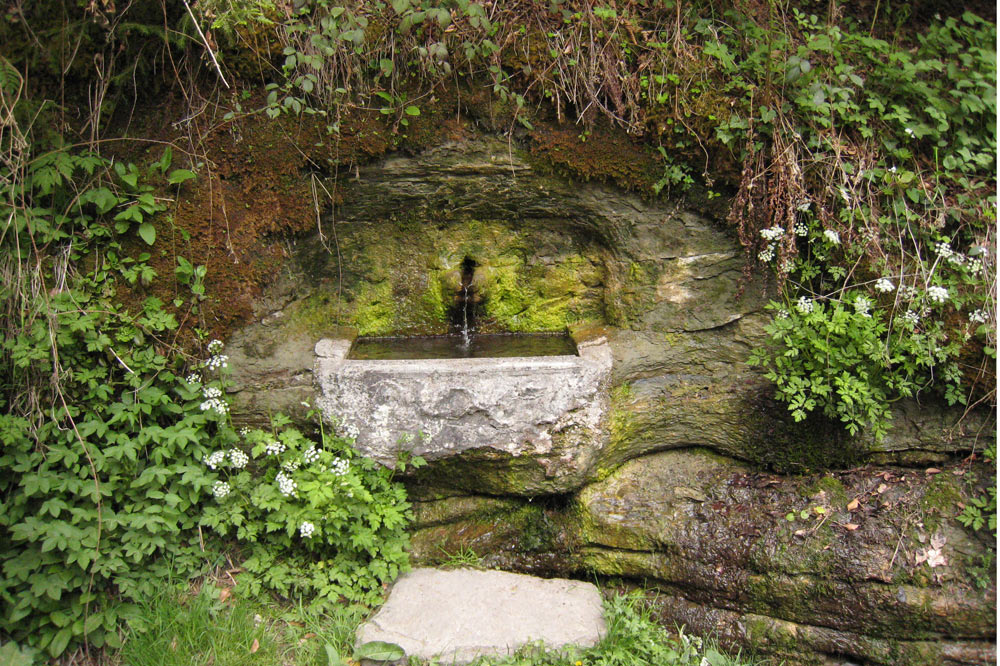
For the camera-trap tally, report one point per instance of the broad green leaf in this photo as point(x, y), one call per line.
point(178, 176)
point(147, 232)
point(379, 651)
point(412, 110)
point(60, 641)
point(12, 655)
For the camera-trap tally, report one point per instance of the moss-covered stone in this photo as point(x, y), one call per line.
point(695, 523)
point(392, 278)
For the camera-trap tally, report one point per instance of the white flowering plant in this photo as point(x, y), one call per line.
point(845, 359)
point(870, 188)
point(850, 343)
point(316, 518)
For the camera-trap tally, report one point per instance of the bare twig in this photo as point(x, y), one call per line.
point(205, 41)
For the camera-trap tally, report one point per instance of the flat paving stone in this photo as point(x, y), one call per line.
point(458, 615)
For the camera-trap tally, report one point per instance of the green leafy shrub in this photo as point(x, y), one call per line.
point(982, 510)
point(98, 479)
point(104, 486)
point(869, 191)
point(315, 519)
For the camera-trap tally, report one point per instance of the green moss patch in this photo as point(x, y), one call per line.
point(404, 277)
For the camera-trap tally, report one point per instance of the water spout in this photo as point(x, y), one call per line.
point(467, 301)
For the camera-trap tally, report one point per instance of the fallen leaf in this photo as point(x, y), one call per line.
point(882, 488)
point(853, 504)
point(309, 635)
point(799, 532)
point(935, 558)
point(958, 472)
point(850, 526)
point(938, 542)
point(932, 470)
point(225, 593)
point(254, 646)
point(173, 645)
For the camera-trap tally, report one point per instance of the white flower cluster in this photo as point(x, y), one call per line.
point(214, 347)
point(832, 236)
point(884, 285)
point(221, 489)
point(193, 378)
point(216, 459)
point(340, 466)
point(215, 404)
point(286, 485)
point(217, 361)
point(937, 294)
point(801, 229)
point(306, 529)
point(350, 431)
point(909, 132)
point(274, 448)
point(910, 317)
point(211, 392)
point(311, 455)
point(943, 248)
point(971, 264)
point(244, 431)
point(862, 306)
point(238, 458)
point(773, 233)
point(291, 465)
point(782, 314)
point(978, 317)
point(805, 305)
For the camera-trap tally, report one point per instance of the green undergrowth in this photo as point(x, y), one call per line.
point(209, 624)
point(634, 638)
point(181, 626)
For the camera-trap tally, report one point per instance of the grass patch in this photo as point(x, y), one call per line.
point(184, 627)
point(180, 627)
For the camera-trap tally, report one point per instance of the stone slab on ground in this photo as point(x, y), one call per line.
point(461, 614)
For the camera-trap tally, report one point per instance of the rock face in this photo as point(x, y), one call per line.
point(457, 616)
point(669, 477)
point(787, 566)
point(545, 411)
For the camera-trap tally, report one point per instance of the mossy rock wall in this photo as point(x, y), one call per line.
point(686, 489)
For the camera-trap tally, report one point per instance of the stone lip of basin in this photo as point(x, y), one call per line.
point(548, 407)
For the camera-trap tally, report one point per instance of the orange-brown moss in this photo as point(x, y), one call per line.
point(601, 153)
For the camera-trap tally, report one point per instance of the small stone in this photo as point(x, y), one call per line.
point(458, 615)
point(690, 493)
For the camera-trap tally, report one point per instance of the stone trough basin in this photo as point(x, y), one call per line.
point(539, 418)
